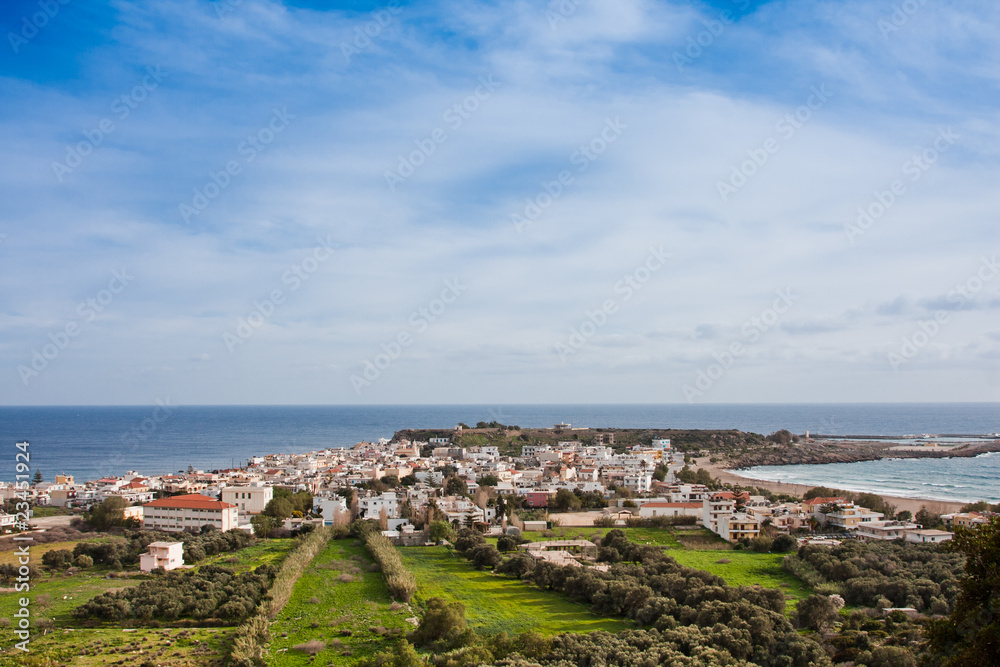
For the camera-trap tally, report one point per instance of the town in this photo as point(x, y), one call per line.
point(405, 485)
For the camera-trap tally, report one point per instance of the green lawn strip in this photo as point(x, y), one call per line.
point(663, 537)
point(321, 599)
point(746, 568)
point(264, 552)
point(56, 597)
point(38, 550)
point(90, 647)
point(496, 604)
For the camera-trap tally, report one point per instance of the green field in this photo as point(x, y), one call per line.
point(55, 596)
point(324, 608)
point(264, 552)
point(497, 604)
point(747, 568)
point(113, 646)
point(663, 537)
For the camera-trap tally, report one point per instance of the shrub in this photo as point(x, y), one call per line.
point(783, 543)
point(401, 582)
point(816, 612)
point(311, 647)
point(58, 559)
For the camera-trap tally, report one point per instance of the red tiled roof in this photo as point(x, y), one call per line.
point(194, 501)
point(822, 501)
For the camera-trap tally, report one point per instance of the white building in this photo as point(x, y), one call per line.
point(884, 530)
point(328, 508)
point(250, 499)
point(661, 508)
point(190, 511)
point(168, 555)
point(371, 508)
point(639, 483)
point(928, 536)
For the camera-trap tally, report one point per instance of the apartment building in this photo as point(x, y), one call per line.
point(251, 499)
point(189, 511)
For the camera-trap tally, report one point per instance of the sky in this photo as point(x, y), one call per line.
point(579, 201)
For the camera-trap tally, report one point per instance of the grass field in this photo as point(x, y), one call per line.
point(55, 597)
point(496, 604)
point(670, 538)
point(353, 619)
point(747, 568)
point(264, 552)
point(205, 647)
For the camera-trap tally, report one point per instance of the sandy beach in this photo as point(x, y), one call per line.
point(911, 504)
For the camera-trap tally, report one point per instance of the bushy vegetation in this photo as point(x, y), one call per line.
point(125, 552)
point(688, 613)
point(401, 582)
point(972, 632)
point(882, 574)
point(659, 521)
point(213, 592)
point(249, 647)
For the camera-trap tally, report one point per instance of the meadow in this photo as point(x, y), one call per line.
point(747, 568)
point(54, 596)
point(341, 605)
point(497, 604)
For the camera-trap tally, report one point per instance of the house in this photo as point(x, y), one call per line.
point(250, 499)
point(715, 508)
point(928, 536)
point(964, 519)
point(168, 555)
point(133, 512)
point(189, 511)
point(329, 507)
point(655, 509)
point(537, 498)
point(845, 515)
point(884, 530)
point(738, 526)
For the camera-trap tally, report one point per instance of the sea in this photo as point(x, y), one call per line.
point(90, 442)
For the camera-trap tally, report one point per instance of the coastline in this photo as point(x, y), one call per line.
point(901, 503)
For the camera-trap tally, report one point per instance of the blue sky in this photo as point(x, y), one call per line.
point(580, 201)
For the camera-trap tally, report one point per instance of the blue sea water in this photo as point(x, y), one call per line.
point(956, 479)
point(89, 442)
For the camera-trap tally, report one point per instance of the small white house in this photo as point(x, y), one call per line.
point(928, 536)
point(168, 555)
